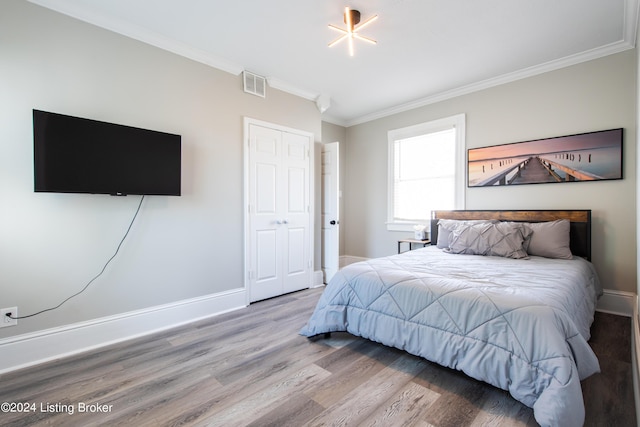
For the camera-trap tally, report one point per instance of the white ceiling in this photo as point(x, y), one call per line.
point(427, 50)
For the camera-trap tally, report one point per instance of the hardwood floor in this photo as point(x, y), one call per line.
point(251, 368)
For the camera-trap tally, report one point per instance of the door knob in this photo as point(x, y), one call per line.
point(332, 222)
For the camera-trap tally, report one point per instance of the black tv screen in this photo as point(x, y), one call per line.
point(77, 155)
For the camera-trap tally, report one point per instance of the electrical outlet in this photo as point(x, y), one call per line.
point(6, 321)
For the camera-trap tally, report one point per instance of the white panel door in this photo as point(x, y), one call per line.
point(295, 166)
point(278, 246)
point(330, 210)
point(264, 180)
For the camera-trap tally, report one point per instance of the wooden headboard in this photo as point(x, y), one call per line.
point(580, 220)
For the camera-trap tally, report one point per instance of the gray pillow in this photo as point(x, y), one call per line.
point(491, 239)
point(550, 239)
point(445, 226)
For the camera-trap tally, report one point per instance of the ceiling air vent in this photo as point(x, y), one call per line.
point(254, 84)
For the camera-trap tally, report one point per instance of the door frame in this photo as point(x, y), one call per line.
point(247, 121)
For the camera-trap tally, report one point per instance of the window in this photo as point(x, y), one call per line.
point(426, 171)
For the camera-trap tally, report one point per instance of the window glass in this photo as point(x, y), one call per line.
point(426, 171)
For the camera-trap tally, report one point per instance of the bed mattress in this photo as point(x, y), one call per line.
point(521, 325)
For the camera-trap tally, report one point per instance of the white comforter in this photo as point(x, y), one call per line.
point(521, 325)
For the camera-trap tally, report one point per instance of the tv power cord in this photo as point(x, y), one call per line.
point(9, 315)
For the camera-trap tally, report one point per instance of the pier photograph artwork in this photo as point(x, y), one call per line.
point(591, 156)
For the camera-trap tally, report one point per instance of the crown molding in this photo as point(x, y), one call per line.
point(144, 35)
point(589, 55)
point(293, 90)
point(628, 41)
point(631, 14)
point(334, 120)
point(629, 35)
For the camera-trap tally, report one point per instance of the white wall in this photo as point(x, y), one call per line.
point(596, 95)
point(180, 247)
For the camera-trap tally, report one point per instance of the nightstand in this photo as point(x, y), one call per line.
point(411, 242)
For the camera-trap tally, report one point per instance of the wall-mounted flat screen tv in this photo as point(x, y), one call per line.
point(77, 155)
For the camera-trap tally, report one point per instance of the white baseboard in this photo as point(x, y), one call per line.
point(38, 347)
point(617, 302)
point(318, 279)
point(33, 348)
point(635, 358)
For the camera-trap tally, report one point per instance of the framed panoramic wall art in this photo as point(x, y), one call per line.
point(591, 156)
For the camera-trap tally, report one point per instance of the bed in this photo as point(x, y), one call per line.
point(518, 318)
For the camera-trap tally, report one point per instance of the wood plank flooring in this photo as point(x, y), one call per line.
point(251, 368)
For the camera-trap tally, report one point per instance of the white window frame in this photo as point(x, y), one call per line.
point(457, 121)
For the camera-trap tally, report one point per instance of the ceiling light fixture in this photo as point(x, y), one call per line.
point(352, 19)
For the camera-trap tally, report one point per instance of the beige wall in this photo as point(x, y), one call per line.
point(637, 92)
point(179, 248)
point(51, 245)
point(596, 95)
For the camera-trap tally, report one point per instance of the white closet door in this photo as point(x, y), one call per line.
point(278, 245)
point(264, 217)
point(295, 167)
